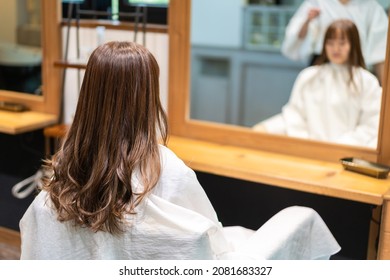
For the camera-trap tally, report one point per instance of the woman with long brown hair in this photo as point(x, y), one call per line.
point(113, 135)
point(117, 192)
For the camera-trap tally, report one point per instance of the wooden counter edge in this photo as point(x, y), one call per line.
point(199, 155)
point(25, 121)
point(384, 236)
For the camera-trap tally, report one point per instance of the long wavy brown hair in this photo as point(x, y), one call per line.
point(347, 30)
point(118, 124)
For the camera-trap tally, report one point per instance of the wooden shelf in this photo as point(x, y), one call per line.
point(20, 122)
point(296, 173)
point(117, 25)
point(71, 64)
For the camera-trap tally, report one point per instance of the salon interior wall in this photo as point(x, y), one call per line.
point(214, 17)
point(20, 22)
point(384, 3)
point(90, 38)
point(8, 15)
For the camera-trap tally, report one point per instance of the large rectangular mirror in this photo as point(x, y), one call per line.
point(246, 76)
point(20, 46)
point(29, 44)
point(205, 104)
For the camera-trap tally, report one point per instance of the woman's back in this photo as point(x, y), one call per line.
point(173, 222)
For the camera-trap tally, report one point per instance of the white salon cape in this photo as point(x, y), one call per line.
point(177, 221)
point(324, 107)
point(368, 15)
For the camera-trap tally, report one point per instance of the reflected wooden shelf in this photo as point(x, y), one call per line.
point(117, 25)
point(71, 64)
point(20, 122)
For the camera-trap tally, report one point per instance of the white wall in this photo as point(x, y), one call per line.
point(384, 3)
point(221, 19)
point(157, 43)
point(8, 21)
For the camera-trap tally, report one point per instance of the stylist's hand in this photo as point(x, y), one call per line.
point(313, 13)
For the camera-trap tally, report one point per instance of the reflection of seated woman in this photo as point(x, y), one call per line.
point(336, 100)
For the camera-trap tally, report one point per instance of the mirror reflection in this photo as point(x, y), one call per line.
point(240, 76)
point(20, 46)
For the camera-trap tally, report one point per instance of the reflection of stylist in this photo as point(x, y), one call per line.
point(305, 31)
point(336, 100)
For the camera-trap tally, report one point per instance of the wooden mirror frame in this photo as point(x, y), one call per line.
point(181, 125)
point(50, 100)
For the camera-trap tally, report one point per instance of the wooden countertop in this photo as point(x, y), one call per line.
point(313, 176)
point(19, 122)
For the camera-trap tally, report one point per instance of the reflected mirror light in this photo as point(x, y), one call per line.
point(238, 74)
point(20, 46)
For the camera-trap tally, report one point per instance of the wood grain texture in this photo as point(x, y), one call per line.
point(296, 173)
point(19, 122)
point(9, 244)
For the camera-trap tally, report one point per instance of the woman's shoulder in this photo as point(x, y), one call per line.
point(42, 201)
point(365, 75)
point(363, 71)
point(175, 174)
point(40, 207)
point(312, 69)
point(167, 153)
point(309, 72)
point(171, 162)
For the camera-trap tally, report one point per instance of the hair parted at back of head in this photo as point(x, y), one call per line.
point(117, 126)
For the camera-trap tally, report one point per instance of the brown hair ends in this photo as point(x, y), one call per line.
point(118, 124)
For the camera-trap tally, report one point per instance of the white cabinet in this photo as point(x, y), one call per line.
point(239, 87)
